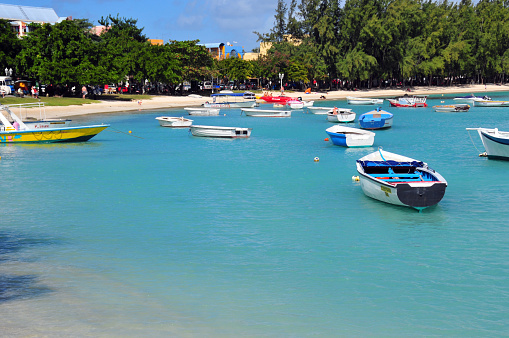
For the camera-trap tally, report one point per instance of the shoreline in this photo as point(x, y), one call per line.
point(165, 102)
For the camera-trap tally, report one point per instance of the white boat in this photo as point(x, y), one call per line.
point(232, 100)
point(400, 180)
point(221, 132)
point(266, 112)
point(451, 108)
point(363, 100)
point(343, 115)
point(350, 137)
point(174, 122)
point(495, 142)
point(295, 104)
point(491, 103)
point(203, 111)
point(406, 100)
point(472, 98)
point(308, 104)
point(319, 110)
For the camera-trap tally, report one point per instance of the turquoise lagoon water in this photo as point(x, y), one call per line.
point(159, 233)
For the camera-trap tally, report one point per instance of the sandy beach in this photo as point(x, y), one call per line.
point(164, 102)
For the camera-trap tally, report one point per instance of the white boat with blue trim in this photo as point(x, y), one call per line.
point(376, 119)
point(400, 180)
point(496, 143)
point(350, 137)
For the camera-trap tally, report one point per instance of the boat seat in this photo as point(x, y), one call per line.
point(398, 177)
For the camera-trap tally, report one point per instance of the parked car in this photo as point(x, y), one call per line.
point(207, 85)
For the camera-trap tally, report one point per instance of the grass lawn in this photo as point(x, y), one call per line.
point(70, 101)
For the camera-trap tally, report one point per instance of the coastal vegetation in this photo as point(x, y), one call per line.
point(320, 43)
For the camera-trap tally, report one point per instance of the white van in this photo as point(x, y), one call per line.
point(207, 85)
point(6, 85)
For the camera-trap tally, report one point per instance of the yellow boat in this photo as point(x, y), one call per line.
point(19, 132)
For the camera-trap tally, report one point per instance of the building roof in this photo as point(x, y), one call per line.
point(29, 14)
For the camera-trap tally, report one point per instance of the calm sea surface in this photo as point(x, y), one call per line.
point(159, 233)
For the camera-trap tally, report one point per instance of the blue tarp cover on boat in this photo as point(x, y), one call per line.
point(390, 163)
point(228, 94)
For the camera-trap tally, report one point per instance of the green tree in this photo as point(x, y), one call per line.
point(10, 46)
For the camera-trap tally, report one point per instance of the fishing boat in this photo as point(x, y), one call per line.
point(452, 108)
point(203, 111)
point(472, 98)
point(231, 100)
point(376, 119)
point(363, 100)
point(350, 137)
point(496, 143)
point(220, 132)
point(343, 115)
point(414, 101)
point(174, 122)
point(491, 103)
point(18, 132)
point(266, 112)
point(400, 180)
point(319, 110)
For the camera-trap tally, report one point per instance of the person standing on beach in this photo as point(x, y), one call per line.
point(84, 91)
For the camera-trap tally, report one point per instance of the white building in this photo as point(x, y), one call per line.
point(21, 16)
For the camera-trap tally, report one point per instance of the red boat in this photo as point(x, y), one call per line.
point(276, 99)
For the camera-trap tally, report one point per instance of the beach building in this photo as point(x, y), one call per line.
point(220, 51)
point(21, 16)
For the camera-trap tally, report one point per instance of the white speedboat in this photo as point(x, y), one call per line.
point(472, 98)
point(203, 111)
point(363, 100)
point(221, 132)
point(491, 103)
point(342, 115)
point(400, 180)
point(295, 104)
point(266, 112)
point(495, 142)
point(350, 137)
point(174, 122)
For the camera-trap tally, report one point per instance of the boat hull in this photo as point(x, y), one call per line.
point(489, 103)
point(341, 117)
point(376, 120)
point(174, 122)
point(496, 143)
point(266, 113)
point(203, 111)
point(70, 134)
point(350, 137)
point(220, 132)
point(320, 110)
point(363, 101)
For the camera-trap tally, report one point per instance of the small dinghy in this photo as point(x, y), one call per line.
point(400, 180)
point(376, 119)
point(350, 137)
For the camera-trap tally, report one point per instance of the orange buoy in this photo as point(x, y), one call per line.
point(326, 139)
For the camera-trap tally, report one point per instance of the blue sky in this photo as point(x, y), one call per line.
point(205, 20)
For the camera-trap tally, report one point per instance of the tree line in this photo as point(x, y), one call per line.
point(363, 43)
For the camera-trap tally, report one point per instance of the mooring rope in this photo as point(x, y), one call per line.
point(122, 132)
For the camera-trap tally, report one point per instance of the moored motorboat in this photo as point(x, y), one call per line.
point(231, 100)
point(220, 132)
point(295, 104)
point(491, 103)
point(400, 180)
point(174, 122)
point(266, 112)
point(496, 143)
point(350, 137)
point(363, 100)
point(343, 115)
point(37, 123)
point(18, 132)
point(276, 99)
point(472, 98)
point(203, 111)
point(376, 119)
point(413, 101)
point(452, 108)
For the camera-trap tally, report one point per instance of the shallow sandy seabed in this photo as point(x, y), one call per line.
point(164, 102)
